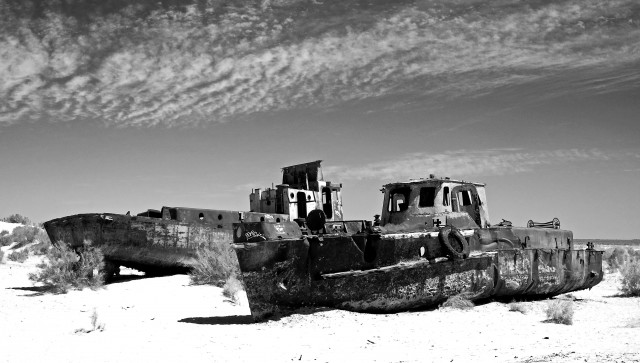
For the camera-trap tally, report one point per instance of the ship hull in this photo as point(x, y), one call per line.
point(153, 245)
point(292, 279)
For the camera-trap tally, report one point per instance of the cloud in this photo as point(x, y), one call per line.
point(146, 66)
point(465, 163)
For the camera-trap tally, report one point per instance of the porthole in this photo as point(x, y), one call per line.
point(308, 197)
point(219, 217)
point(261, 219)
point(291, 195)
point(277, 220)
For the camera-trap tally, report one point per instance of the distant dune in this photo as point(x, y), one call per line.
point(6, 226)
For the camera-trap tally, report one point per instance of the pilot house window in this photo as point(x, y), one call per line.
point(427, 197)
point(445, 197)
point(465, 197)
point(399, 199)
point(327, 207)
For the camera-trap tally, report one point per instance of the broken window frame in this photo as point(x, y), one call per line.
point(427, 197)
point(393, 205)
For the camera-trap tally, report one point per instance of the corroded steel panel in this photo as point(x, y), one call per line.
point(148, 244)
point(281, 275)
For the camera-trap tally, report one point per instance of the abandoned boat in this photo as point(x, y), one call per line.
point(433, 240)
point(165, 241)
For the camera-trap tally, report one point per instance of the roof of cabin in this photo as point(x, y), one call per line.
point(431, 180)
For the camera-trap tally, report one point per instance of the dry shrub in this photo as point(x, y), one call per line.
point(214, 265)
point(519, 307)
point(560, 311)
point(5, 239)
point(63, 268)
point(19, 256)
point(43, 243)
point(218, 266)
point(619, 256)
point(460, 301)
point(25, 235)
point(630, 284)
point(16, 218)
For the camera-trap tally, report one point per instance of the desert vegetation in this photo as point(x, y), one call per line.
point(23, 240)
point(218, 266)
point(16, 218)
point(630, 284)
point(63, 269)
point(518, 307)
point(460, 301)
point(19, 256)
point(627, 262)
point(560, 311)
point(96, 325)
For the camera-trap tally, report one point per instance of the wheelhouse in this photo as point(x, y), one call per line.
point(427, 199)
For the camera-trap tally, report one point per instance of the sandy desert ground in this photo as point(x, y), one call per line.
point(165, 319)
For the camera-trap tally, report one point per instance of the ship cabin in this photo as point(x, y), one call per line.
point(303, 189)
point(435, 202)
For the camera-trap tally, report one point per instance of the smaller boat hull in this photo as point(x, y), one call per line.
point(156, 246)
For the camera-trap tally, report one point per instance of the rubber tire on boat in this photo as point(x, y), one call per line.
point(454, 242)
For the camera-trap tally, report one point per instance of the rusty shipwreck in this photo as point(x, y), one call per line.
point(433, 240)
point(165, 241)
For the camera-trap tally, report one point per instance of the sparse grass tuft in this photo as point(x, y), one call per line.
point(96, 325)
point(214, 265)
point(630, 284)
point(519, 307)
point(1, 256)
point(560, 311)
point(460, 301)
point(19, 256)
point(64, 269)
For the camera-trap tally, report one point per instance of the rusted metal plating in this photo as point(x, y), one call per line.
point(400, 272)
point(163, 244)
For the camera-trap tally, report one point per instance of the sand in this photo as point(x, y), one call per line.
point(165, 319)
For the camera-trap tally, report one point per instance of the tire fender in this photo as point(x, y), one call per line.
point(454, 242)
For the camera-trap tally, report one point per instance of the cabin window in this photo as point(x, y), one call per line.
point(465, 197)
point(427, 197)
point(326, 202)
point(445, 197)
point(399, 199)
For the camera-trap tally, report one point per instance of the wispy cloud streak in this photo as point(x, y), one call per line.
point(466, 163)
point(206, 63)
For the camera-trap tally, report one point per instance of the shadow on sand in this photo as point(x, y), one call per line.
point(220, 320)
point(248, 319)
point(37, 290)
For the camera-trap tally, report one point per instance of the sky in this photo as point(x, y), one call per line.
point(116, 106)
